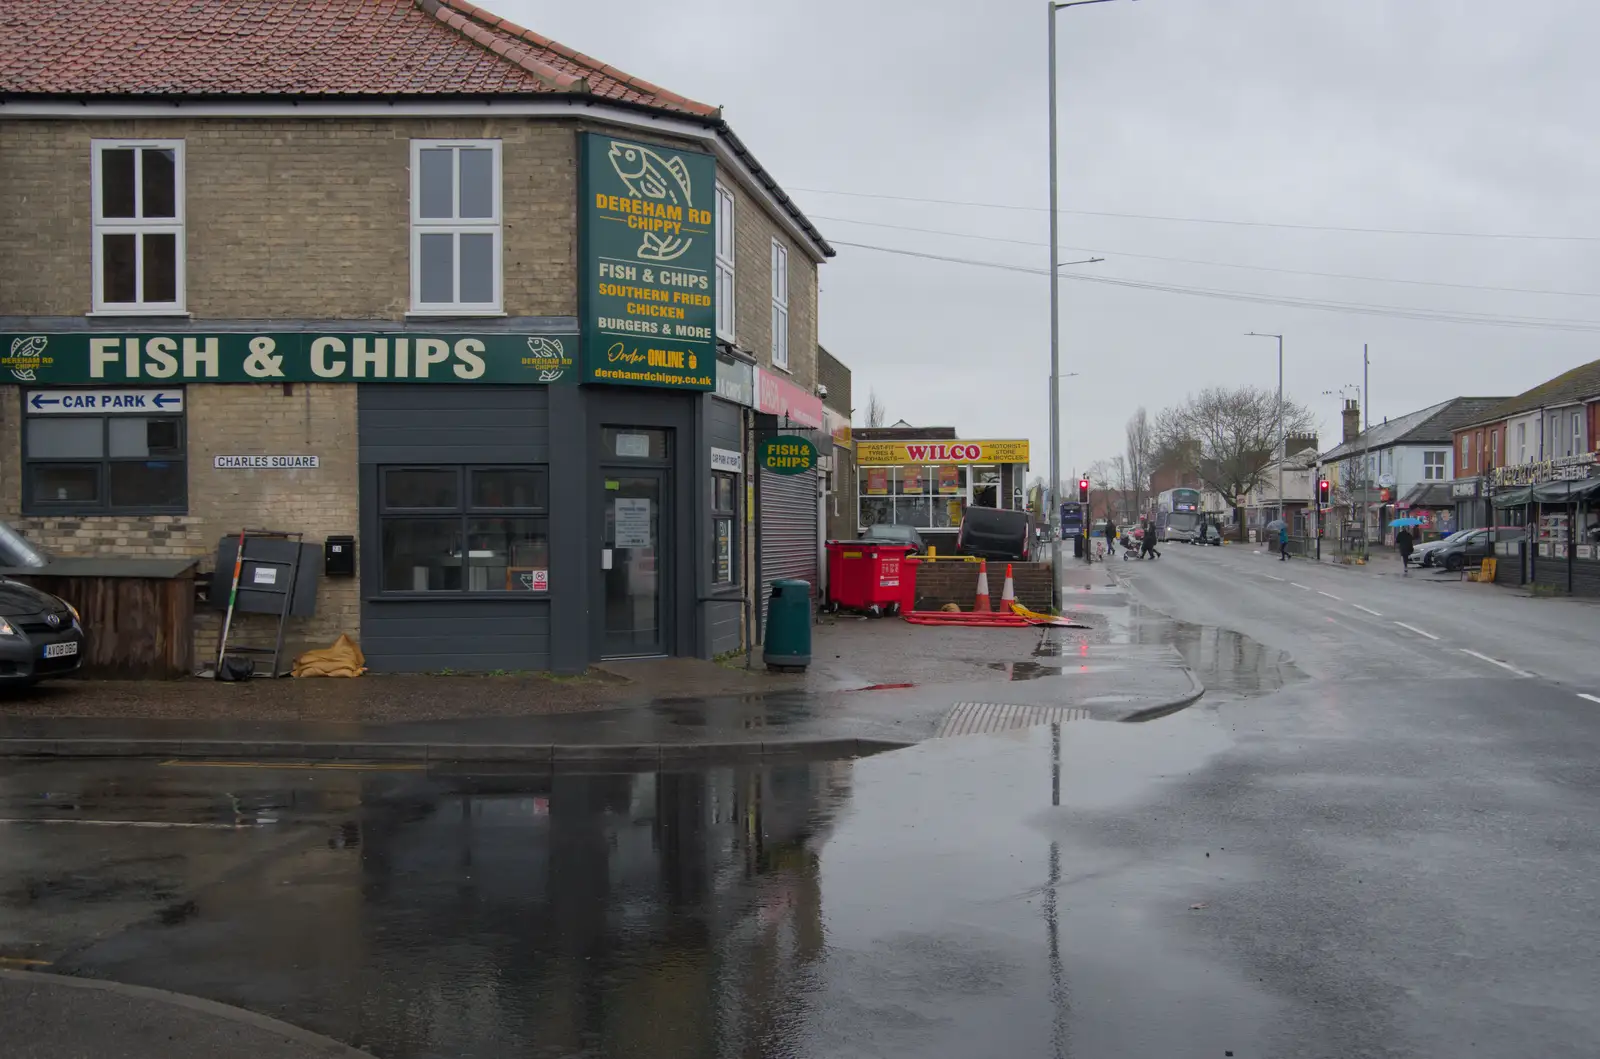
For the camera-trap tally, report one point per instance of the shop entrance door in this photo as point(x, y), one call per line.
point(634, 561)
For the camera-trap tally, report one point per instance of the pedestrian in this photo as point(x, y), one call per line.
point(1111, 536)
point(1147, 544)
point(1283, 541)
point(1402, 544)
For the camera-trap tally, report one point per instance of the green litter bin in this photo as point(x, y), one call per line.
point(788, 644)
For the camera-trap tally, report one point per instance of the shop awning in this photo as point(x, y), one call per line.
point(1428, 494)
point(1513, 497)
point(1564, 492)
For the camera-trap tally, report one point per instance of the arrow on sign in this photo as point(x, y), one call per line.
point(161, 400)
point(39, 400)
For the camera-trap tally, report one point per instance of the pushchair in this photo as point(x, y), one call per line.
point(1130, 546)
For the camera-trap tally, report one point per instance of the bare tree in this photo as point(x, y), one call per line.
point(1228, 437)
point(1138, 455)
point(876, 413)
point(1102, 477)
point(1123, 483)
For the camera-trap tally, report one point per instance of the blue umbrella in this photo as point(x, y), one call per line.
point(1407, 521)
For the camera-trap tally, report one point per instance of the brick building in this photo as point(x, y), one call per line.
point(530, 315)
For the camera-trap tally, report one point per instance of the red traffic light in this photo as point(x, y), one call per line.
point(1324, 488)
point(1083, 490)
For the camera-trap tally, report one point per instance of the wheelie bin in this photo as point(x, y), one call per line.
point(788, 639)
point(866, 576)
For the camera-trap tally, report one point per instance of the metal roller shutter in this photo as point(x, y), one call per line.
point(788, 531)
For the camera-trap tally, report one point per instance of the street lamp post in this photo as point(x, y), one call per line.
point(1282, 453)
point(1055, 303)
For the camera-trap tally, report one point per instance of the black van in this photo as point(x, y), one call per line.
point(993, 533)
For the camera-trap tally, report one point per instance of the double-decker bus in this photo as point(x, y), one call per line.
point(1178, 515)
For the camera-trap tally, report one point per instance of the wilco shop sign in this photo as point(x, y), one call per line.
point(1561, 469)
point(788, 454)
point(903, 452)
point(648, 264)
point(240, 356)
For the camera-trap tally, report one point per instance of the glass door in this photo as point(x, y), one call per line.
point(633, 562)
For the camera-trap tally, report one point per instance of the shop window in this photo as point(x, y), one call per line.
point(923, 497)
point(724, 517)
point(464, 529)
point(138, 226)
point(455, 226)
point(100, 465)
point(725, 245)
point(1433, 466)
point(780, 306)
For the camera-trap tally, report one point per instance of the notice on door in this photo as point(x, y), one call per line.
point(633, 522)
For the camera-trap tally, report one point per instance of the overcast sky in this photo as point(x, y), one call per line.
point(1437, 115)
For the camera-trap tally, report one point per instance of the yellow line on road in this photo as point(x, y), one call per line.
point(339, 766)
point(23, 961)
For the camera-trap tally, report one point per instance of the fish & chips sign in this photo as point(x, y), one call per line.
point(648, 283)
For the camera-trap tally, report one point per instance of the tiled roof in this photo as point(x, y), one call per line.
point(297, 48)
point(1384, 434)
point(1441, 426)
point(1576, 385)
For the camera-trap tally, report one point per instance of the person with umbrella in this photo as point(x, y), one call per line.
point(1281, 528)
point(1404, 543)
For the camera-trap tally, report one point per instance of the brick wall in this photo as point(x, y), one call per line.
point(953, 582)
point(835, 375)
point(286, 219)
point(754, 232)
point(228, 420)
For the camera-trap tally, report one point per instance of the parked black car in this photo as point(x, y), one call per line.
point(40, 635)
point(994, 533)
point(1471, 546)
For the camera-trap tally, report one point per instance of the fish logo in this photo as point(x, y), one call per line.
point(647, 175)
point(25, 349)
point(549, 357)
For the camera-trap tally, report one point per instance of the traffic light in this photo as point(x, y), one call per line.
point(1083, 490)
point(1324, 490)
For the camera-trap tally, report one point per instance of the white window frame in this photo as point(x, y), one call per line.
point(457, 226)
point(102, 226)
point(1577, 434)
point(1522, 442)
point(725, 239)
point(1433, 465)
point(780, 306)
point(1494, 448)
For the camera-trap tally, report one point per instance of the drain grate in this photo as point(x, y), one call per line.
point(976, 718)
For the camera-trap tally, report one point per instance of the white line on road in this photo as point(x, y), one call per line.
point(1591, 698)
point(164, 824)
point(1303, 588)
point(1496, 662)
point(1330, 595)
point(1369, 610)
point(1419, 632)
point(1273, 578)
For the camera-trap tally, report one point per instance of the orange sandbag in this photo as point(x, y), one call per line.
point(343, 659)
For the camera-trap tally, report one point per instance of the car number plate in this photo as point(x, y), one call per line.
point(61, 650)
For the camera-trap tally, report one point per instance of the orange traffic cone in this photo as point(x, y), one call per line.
point(1008, 594)
point(982, 605)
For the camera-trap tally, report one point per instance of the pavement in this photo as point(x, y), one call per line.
point(874, 684)
point(52, 1017)
point(1374, 836)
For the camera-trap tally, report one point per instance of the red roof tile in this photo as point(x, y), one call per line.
point(296, 47)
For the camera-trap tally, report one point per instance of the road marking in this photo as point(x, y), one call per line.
point(1330, 595)
point(1369, 610)
point(1591, 698)
point(22, 961)
point(163, 824)
point(1296, 584)
point(1419, 632)
point(1497, 662)
point(342, 766)
point(1273, 578)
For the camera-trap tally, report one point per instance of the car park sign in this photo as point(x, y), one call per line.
point(78, 402)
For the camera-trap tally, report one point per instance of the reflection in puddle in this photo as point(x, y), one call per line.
point(1225, 661)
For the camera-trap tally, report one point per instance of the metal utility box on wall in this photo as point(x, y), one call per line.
point(339, 556)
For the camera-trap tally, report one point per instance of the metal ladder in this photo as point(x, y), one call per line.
point(282, 584)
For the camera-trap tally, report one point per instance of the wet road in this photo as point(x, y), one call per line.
point(1363, 842)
